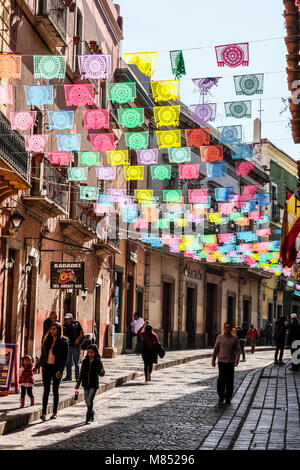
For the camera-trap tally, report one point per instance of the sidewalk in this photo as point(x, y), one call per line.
point(118, 370)
point(263, 415)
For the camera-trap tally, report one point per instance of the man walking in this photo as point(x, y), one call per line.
point(241, 334)
point(227, 349)
point(294, 334)
point(48, 322)
point(268, 333)
point(136, 325)
point(253, 334)
point(279, 336)
point(74, 332)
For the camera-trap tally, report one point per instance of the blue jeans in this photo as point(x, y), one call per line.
point(89, 395)
point(74, 353)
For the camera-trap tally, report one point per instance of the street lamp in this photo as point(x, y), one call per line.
point(16, 219)
point(27, 268)
point(84, 292)
point(8, 265)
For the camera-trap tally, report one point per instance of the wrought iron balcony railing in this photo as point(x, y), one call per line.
point(53, 12)
point(12, 147)
point(275, 213)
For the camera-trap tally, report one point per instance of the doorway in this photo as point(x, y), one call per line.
point(167, 310)
point(140, 300)
point(10, 295)
point(270, 311)
point(129, 303)
point(190, 316)
point(211, 313)
point(30, 309)
point(230, 309)
point(246, 310)
point(97, 314)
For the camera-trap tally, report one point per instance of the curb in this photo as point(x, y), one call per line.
point(24, 419)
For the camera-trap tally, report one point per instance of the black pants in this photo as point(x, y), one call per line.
point(242, 348)
point(225, 380)
point(279, 349)
point(49, 371)
point(147, 356)
point(29, 391)
point(269, 341)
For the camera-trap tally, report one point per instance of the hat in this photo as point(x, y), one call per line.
point(68, 315)
point(294, 315)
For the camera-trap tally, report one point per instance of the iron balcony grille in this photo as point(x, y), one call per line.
point(56, 12)
point(12, 147)
point(275, 213)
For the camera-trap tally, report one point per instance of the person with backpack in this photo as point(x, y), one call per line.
point(279, 337)
point(90, 371)
point(149, 349)
point(253, 334)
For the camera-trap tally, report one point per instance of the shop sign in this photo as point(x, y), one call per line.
point(8, 365)
point(67, 275)
point(133, 256)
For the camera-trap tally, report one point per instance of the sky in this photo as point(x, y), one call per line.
point(196, 26)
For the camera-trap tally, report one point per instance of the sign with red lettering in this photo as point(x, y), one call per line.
point(67, 275)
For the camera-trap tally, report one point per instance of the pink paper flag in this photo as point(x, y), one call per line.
point(22, 120)
point(102, 142)
point(226, 207)
point(265, 232)
point(197, 195)
point(249, 191)
point(243, 168)
point(59, 158)
point(79, 95)
point(140, 223)
point(233, 55)
point(254, 215)
point(36, 142)
point(6, 94)
point(225, 237)
point(189, 171)
point(96, 118)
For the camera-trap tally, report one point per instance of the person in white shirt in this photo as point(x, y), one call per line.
point(136, 324)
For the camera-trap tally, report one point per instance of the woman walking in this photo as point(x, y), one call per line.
point(241, 334)
point(53, 361)
point(91, 368)
point(149, 349)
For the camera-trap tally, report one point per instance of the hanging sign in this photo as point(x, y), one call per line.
point(67, 275)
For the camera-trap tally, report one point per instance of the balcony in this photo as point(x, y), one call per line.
point(49, 192)
point(81, 225)
point(51, 21)
point(13, 161)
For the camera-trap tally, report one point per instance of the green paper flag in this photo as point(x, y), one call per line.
point(177, 63)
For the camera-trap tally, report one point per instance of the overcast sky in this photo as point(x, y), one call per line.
point(163, 25)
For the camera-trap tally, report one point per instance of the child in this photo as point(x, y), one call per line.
point(91, 368)
point(26, 379)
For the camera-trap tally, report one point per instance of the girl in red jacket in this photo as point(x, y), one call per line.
point(26, 379)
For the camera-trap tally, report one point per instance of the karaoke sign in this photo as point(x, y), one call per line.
point(67, 275)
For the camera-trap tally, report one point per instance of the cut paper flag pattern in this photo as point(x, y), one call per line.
point(10, 65)
point(6, 94)
point(243, 168)
point(96, 118)
point(106, 173)
point(177, 63)
point(38, 95)
point(79, 95)
point(230, 134)
point(59, 158)
point(211, 153)
point(94, 66)
point(68, 142)
point(89, 158)
point(161, 172)
point(145, 61)
point(121, 92)
point(180, 155)
point(49, 66)
point(233, 55)
point(241, 151)
point(36, 142)
point(238, 109)
point(147, 156)
point(117, 157)
point(249, 84)
point(79, 173)
point(60, 119)
point(197, 137)
point(102, 142)
point(205, 84)
point(165, 90)
point(131, 117)
point(137, 140)
point(166, 115)
point(168, 139)
point(22, 120)
point(203, 112)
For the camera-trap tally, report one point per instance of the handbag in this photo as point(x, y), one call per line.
point(160, 351)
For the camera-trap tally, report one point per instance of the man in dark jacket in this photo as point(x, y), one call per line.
point(268, 333)
point(48, 322)
point(294, 334)
point(279, 337)
point(74, 332)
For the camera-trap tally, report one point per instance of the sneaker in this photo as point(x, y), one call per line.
point(53, 416)
point(67, 379)
point(227, 401)
point(146, 382)
point(43, 417)
point(220, 402)
point(280, 362)
point(243, 360)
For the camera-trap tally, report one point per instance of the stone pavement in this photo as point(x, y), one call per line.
point(176, 411)
point(264, 414)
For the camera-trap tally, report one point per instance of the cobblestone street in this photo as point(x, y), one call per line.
point(178, 411)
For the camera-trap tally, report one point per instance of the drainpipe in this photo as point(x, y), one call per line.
point(147, 284)
point(180, 299)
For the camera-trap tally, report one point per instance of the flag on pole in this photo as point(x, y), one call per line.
point(290, 230)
